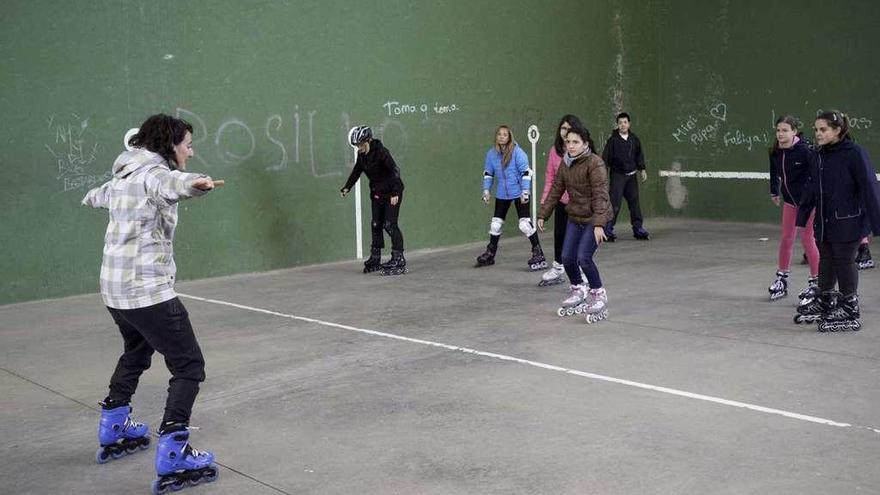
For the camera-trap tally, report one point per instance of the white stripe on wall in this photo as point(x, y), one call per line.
point(708, 174)
point(704, 174)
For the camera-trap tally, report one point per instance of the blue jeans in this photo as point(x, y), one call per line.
point(577, 251)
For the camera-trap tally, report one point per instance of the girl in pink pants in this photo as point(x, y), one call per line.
point(789, 171)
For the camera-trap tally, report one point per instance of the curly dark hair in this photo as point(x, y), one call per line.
point(159, 134)
point(585, 136)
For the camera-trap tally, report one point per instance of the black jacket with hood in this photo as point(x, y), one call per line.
point(380, 169)
point(790, 171)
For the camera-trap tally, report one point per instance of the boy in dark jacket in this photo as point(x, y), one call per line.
point(624, 157)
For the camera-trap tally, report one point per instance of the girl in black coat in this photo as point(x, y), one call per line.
point(843, 189)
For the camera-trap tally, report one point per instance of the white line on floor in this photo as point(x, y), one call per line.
point(536, 364)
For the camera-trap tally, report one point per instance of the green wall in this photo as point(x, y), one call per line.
point(728, 69)
point(273, 87)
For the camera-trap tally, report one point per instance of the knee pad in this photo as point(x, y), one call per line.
point(495, 226)
point(375, 226)
point(526, 227)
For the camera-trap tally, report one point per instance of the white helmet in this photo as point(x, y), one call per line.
point(360, 134)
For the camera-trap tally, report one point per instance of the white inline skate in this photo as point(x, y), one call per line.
point(575, 303)
point(597, 305)
point(554, 276)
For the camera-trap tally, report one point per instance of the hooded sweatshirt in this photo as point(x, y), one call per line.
point(138, 267)
point(624, 156)
point(380, 169)
point(790, 170)
point(553, 161)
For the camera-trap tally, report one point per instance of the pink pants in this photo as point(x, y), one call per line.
point(786, 242)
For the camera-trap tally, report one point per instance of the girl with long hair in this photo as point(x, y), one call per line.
point(507, 166)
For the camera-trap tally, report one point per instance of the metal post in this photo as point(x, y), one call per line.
point(533, 138)
point(359, 243)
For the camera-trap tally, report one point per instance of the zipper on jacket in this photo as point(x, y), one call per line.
point(785, 180)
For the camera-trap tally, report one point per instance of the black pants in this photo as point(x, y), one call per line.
point(837, 264)
point(559, 226)
point(625, 186)
point(163, 327)
point(385, 218)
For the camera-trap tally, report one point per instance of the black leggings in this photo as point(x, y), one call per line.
point(385, 218)
point(837, 263)
point(502, 205)
point(163, 327)
point(559, 226)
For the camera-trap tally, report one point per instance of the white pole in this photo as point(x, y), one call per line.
point(533, 138)
point(358, 227)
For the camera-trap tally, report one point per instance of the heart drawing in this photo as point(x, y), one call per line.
point(719, 111)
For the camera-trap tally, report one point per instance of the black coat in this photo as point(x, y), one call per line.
point(790, 171)
point(843, 189)
point(380, 169)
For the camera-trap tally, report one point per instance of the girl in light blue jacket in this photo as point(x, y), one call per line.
point(508, 167)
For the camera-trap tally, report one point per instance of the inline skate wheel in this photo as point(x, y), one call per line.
point(212, 475)
point(560, 312)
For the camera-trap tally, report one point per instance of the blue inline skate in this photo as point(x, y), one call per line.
point(179, 465)
point(119, 435)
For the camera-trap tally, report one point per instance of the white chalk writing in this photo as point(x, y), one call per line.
point(684, 128)
point(235, 141)
point(396, 108)
point(739, 138)
point(714, 126)
point(74, 147)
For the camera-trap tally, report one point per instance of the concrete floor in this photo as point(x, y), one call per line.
point(296, 406)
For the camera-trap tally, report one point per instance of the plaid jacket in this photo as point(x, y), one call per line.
point(138, 268)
